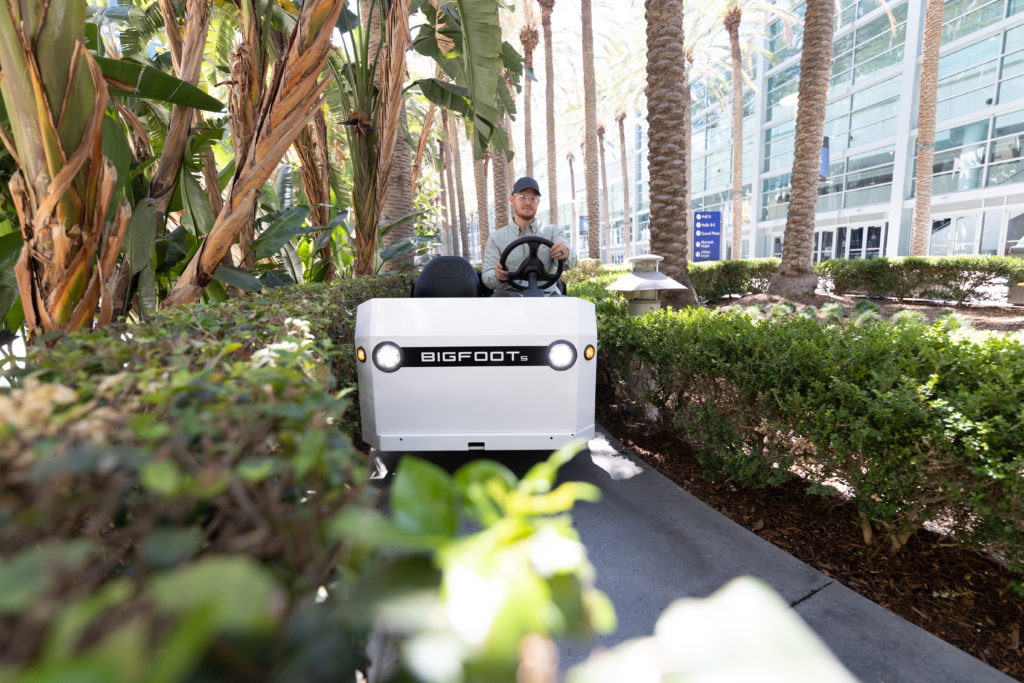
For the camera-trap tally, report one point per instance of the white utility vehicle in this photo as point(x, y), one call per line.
point(452, 369)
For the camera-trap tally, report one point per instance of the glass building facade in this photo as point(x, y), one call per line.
point(865, 204)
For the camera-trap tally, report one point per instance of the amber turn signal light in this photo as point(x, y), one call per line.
point(589, 352)
point(361, 354)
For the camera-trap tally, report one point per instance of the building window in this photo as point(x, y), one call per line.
point(962, 17)
point(1011, 78)
point(1006, 163)
point(967, 79)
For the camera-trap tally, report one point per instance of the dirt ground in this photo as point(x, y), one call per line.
point(959, 595)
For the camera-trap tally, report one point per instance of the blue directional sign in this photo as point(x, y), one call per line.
point(707, 235)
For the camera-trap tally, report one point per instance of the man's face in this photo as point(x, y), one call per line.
point(524, 204)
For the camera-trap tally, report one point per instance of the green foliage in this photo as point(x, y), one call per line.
point(182, 502)
point(917, 420)
point(950, 278)
point(714, 280)
point(524, 572)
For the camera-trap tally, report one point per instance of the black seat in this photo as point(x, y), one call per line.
point(447, 276)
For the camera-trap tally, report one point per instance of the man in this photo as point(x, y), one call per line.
point(525, 199)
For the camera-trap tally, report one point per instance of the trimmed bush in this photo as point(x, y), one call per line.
point(915, 420)
point(181, 501)
point(951, 278)
point(714, 280)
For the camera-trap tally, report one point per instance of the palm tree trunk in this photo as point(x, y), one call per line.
point(448, 151)
point(795, 278)
point(732, 25)
point(688, 146)
point(590, 157)
point(398, 200)
point(315, 169)
point(421, 146)
point(460, 197)
point(666, 69)
point(394, 169)
point(604, 197)
point(444, 182)
point(549, 102)
point(933, 17)
point(480, 176)
point(499, 178)
point(529, 38)
point(572, 195)
point(627, 216)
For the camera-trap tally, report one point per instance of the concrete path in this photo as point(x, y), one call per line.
point(652, 542)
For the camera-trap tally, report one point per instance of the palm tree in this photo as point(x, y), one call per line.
point(572, 189)
point(446, 200)
point(604, 194)
point(933, 17)
point(795, 278)
point(460, 197)
point(590, 157)
point(394, 169)
point(529, 37)
point(315, 168)
point(732, 26)
point(480, 176)
point(546, 6)
point(666, 69)
point(627, 216)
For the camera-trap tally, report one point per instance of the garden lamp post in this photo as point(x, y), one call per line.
point(642, 284)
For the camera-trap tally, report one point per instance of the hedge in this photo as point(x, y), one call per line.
point(950, 278)
point(911, 420)
point(181, 501)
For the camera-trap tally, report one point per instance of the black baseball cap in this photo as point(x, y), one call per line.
point(526, 183)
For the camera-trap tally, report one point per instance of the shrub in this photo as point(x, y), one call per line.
point(178, 504)
point(956, 278)
point(918, 420)
point(714, 280)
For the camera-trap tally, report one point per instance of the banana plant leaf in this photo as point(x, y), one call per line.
point(237, 278)
point(10, 249)
point(137, 80)
point(283, 226)
point(444, 94)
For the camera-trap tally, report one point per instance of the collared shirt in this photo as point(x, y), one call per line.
point(503, 237)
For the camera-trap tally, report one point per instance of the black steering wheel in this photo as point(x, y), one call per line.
point(532, 270)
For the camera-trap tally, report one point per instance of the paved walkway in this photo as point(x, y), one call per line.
point(652, 542)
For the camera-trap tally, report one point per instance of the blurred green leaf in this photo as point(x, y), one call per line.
point(167, 547)
point(424, 498)
point(239, 594)
point(28, 575)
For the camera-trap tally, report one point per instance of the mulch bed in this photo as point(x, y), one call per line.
point(959, 595)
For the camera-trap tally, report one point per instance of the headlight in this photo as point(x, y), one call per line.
point(387, 356)
point(561, 355)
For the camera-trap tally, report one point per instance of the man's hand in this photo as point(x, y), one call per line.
point(501, 274)
point(559, 251)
